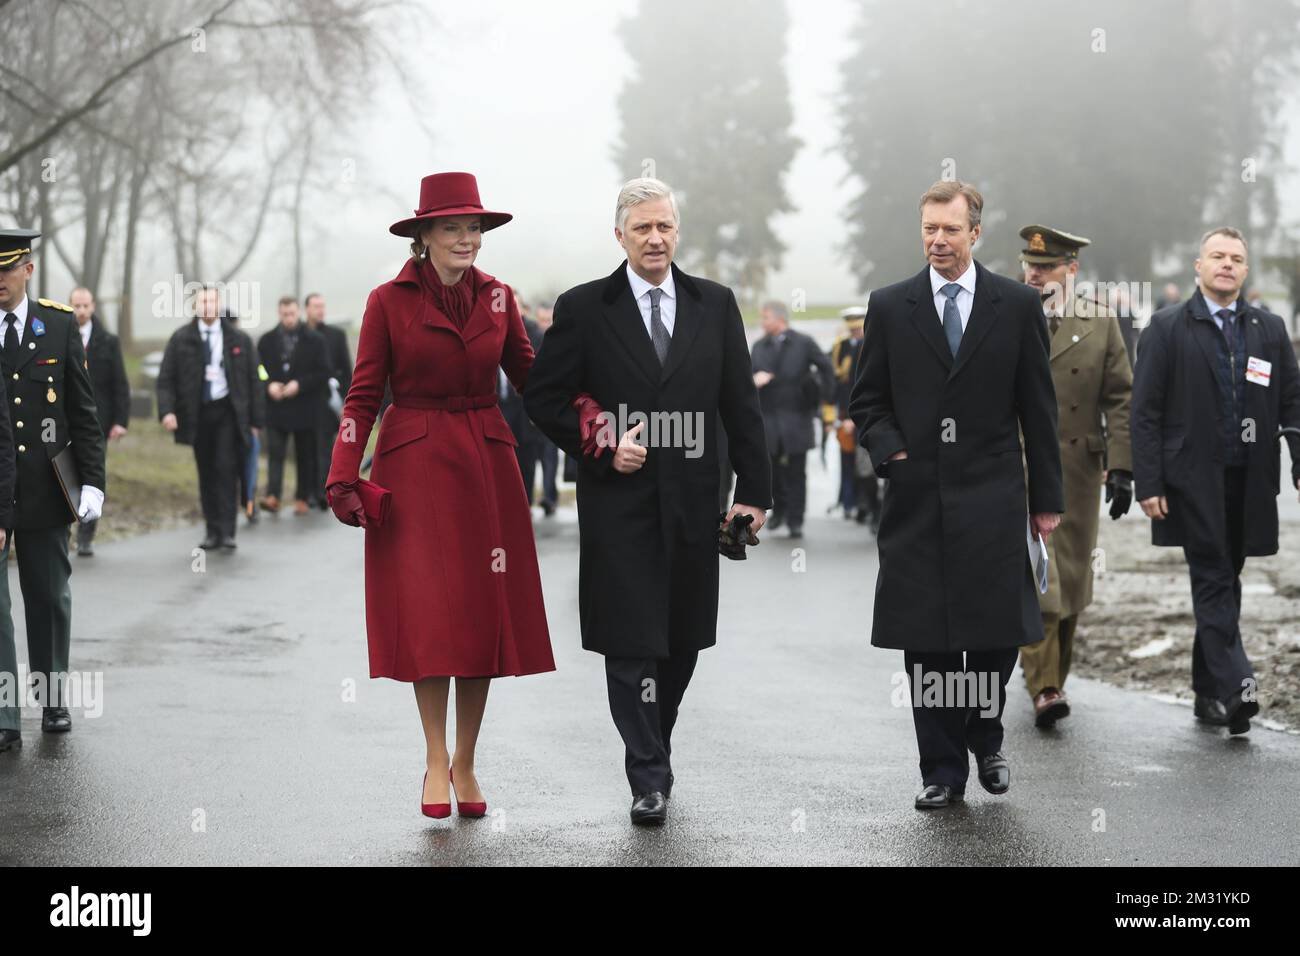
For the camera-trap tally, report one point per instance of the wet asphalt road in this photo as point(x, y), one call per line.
point(226, 737)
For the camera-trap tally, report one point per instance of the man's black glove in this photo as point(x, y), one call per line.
point(1119, 492)
point(733, 537)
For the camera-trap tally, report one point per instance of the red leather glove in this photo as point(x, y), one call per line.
point(589, 424)
point(346, 503)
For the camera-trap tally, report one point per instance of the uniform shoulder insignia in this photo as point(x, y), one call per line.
point(51, 304)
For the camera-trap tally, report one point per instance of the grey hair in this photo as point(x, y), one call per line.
point(1230, 231)
point(778, 309)
point(637, 191)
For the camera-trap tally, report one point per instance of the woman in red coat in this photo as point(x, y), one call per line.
point(452, 588)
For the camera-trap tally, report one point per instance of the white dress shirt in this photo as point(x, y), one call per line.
point(965, 298)
point(216, 368)
point(667, 301)
point(20, 310)
point(85, 334)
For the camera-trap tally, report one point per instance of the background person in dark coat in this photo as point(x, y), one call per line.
point(532, 442)
point(112, 390)
point(1214, 379)
point(209, 397)
point(339, 358)
point(793, 376)
point(298, 370)
point(650, 339)
point(954, 367)
point(50, 404)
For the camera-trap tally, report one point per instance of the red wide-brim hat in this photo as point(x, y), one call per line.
point(448, 194)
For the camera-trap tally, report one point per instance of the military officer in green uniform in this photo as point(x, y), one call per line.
point(51, 404)
point(1094, 381)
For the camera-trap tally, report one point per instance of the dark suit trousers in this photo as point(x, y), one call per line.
point(945, 734)
point(644, 697)
point(304, 458)
point(1219, 662)
point(218, 452)
point(790, 486)
point(325, 435)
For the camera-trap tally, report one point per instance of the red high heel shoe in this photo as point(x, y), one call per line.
point(439, 811)
point(463, 808)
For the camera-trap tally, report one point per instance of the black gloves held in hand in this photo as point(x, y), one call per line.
point(733, 537)
point(1119, 492)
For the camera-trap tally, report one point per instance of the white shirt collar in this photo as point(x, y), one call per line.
point(1215, 307)
point(19, 310)
point(966, 280)
point(640, 286)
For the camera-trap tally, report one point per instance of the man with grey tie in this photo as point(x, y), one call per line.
point(954, 368)
point(631, 381)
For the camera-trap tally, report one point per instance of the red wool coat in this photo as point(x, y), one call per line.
point(452, 587)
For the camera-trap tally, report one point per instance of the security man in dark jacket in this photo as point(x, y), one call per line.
point(112, 391)
point(794, 376)
point(339, 357)
point(298, 371)
point(1214, 380)
point(51, 406)
point(209, 396)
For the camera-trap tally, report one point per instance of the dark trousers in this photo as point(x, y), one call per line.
point(304, 459)
point(1219, 662)
point(945, 734)
point(43, 572)
point(325, 435)
point(529, 455)
point(644, 697)
point(218, 452)
point(790, 486)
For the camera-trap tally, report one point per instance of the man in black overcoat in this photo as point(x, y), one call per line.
point(794, 376)
point(339, 357)
point(112, 390)
point(298, 370)
point(954, 368)
point(663, 354)
point(210, 397)
point(1215, 378)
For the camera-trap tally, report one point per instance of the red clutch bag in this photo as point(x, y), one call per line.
point(375, 500)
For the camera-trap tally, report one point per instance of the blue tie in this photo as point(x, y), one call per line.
point(1226, 317)
point(951, 317)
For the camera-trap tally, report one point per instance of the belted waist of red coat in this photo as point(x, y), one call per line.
point(447, 403)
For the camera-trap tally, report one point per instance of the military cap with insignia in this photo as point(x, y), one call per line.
point(1045, 245)
point(14, 245)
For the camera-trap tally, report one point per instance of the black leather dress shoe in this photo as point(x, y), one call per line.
point(85, 550)
point(226, 543)
point(650, 809)
point(10, 739)
point(1239, 715)
point(210, 543)
point(55, 720)
point(995, 773)
point(936, 796)
point(1210, 710)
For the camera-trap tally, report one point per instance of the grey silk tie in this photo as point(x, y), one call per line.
point(951, 317)
point(658, 331)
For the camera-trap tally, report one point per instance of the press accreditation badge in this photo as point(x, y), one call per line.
point(1258, 371)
